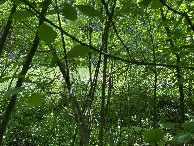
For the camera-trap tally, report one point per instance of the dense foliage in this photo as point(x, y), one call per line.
point(98, 72)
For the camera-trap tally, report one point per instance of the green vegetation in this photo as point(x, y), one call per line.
point(97, 72)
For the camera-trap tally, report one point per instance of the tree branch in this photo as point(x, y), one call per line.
point(180, 13)
point(95, 49)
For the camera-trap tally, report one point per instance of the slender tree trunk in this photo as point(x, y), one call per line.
point(7, 28)
point(19, 82)
point(179, 77)
point(83, 130)
point(79, 117)
point(108, 103)
point(182, 104)
point(102, 116)
point(105, 45)
point(155, 109)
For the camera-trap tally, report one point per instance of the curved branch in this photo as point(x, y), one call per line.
point(99, 51)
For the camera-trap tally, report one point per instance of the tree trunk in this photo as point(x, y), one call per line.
point(19, 82)
point(7, 28)
point(179, 77)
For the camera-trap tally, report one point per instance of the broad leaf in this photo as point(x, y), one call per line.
point(21, 15)
point(187, 46)
point(168, 125)
point(2, 2)
point(69, 12)
point(89, 11)
point(162, 143)
point(156, 4)
point(17, 2)
point(45, 3)
point(4, 79)
point(7, 78)
point(51, 12)
point(35, 99)
point(181, 138)
point(145, 3)
point(46, 33)
point(53, 61)
point(78, 51)
point(153, 135)
point(188, 126)
point(14, 91)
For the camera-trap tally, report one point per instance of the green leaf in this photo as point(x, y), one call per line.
point(168, 125)
point(14, 91)
point(178, 22)
point(46, 33)
point(35, 99)
point(156, 4)
point(188, 126)
point(89, 11)
point(53, 61)
point(21, 14)
point(153, 135)
point(19, 76)
point(162, 143)
point(69, 12)
point(51, 12)
point(45, 3)
point(187, 46)
point(4, 79)
point(7, 78)
point(145, 3)
point(77, 51)
point(175, 49)
point(16, 2)
point(125, 129)
point(2, 2)
point(181, 138)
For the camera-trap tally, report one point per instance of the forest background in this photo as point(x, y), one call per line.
point(96, 72)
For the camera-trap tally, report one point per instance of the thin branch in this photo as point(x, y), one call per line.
point(96, 50)
point(180, 13)
point(114, 27)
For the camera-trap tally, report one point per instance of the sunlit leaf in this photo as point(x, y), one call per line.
point(35, 99)
point(89, 11)
point(153, 135)
point(181, 138)
point(178, 22)
point(78, 51)
point(21, 15)
point(46, 33)
point(69, 12)
point(14, 91)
